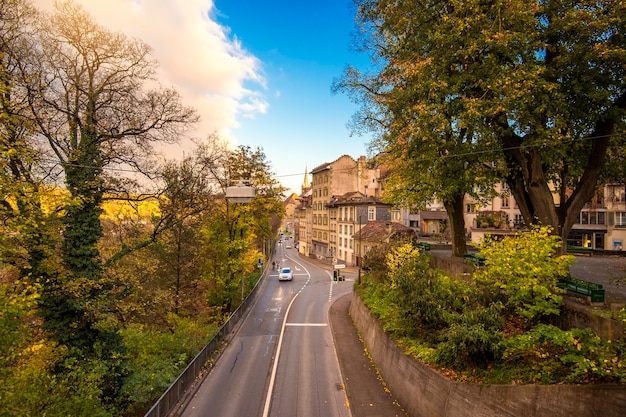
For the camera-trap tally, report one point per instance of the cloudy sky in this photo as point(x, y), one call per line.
point(258, 71)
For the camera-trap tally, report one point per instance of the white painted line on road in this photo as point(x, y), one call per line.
point(268, 398)
point(307, 324)
point(330, 293)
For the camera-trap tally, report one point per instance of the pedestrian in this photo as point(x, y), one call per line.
point(273, 266)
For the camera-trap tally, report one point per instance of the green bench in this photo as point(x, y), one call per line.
point(580, 249)
point(475, 259)
point(423, 246)
point(591, 289)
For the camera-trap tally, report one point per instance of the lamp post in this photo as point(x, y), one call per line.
point(240, 194)
point(360, 259)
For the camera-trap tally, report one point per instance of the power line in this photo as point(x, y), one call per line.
point(454, 155)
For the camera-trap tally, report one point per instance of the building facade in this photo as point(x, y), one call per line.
point(344, 195)
point(601, 223)
point(330, 181)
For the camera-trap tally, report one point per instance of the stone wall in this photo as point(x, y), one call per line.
point(574, 314)
point(424, 392)
point(454, 267)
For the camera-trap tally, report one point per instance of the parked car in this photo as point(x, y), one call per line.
point(285, 274)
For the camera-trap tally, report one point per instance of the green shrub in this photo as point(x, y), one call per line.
point(490, 330)
point(522, 271)
point(473, 338)
point(157, 356)
point(550, 355)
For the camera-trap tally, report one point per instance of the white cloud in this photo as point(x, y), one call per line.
point(195, 56)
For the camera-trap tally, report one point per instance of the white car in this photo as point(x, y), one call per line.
point(285, 274)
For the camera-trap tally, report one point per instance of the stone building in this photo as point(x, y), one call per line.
point(329, 181)
point(344, 195)
point(348, 214)
point(601, 224)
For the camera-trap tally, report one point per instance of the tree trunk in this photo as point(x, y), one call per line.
point(454, 207)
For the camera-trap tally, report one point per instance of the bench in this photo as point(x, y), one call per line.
point(580, 249)
point(591, 289)
point(423, 246)
point(475, 259)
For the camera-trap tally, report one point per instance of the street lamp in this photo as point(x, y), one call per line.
point(240, 194)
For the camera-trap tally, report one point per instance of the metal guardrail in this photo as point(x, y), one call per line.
point(166, 403)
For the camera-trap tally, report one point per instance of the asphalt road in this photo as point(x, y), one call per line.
point(282, 361)
point(610, 271)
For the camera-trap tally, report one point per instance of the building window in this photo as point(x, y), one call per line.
point(620, 218)
point(619, 194)
point(592, 217)
point(505, 202)
point(371, 213)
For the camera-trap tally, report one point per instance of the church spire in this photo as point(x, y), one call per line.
point(306, 184)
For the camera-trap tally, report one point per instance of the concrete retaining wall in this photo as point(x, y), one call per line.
point(424, 392)
point(454, 267)
point(582, 316)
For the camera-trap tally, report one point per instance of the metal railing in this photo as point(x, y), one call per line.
point(170, 398)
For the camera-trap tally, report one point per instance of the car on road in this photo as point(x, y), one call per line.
point(285, 274)
point(288, 246)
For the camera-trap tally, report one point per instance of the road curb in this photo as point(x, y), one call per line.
point(367, 395)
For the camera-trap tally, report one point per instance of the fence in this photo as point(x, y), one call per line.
point(185, 380)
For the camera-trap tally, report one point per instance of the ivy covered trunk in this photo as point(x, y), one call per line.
point(75, 301)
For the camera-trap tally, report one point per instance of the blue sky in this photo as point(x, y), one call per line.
point(303, 46)
point(259, 72)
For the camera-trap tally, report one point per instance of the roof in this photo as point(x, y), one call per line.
point(382, 231)
point(355, 198)
point(328, 165)
point(291, 199)
point(321, 167)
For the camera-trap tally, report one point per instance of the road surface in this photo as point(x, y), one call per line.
point(282, 359)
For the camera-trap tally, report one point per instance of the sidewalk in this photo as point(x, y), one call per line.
point(367, 395)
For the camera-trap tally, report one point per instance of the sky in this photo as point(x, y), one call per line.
point(259, 72)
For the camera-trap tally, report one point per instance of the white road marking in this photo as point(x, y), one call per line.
point(268, 398)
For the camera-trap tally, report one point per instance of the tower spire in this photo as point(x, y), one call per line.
point(306, 184)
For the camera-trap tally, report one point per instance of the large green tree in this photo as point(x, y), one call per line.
point(535, 90)
point(235, 235)
point(76, 102)
point(88, 97)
